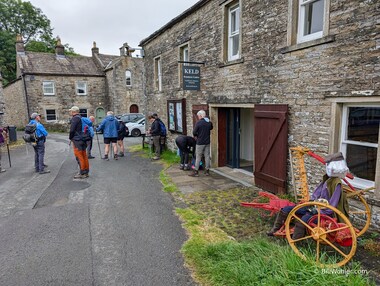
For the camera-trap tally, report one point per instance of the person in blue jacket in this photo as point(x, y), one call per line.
point(110, 127)
point(39, 146)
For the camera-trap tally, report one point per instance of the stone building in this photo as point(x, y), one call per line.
point(273, 75)
point(51, 83)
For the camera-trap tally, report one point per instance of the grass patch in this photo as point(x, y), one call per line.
point(218, 260)
point(168, 185)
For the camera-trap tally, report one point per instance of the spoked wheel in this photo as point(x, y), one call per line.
point(335, 242)
point(360, 213)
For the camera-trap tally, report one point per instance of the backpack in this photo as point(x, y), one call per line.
point(162, 128)
point(30, 135)
point(85, 134)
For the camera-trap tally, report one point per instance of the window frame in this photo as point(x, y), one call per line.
point(176, 112)
point(83, 113)
point(45, 82)
point(185, 57)
point(234, 7)
point(77, 88)
point(158, 73)
point(301, 22)
point(294, 25)
point(343, 142)
point(47, 116)
point(128, 78)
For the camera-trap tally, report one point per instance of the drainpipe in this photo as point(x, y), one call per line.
point(26, 95)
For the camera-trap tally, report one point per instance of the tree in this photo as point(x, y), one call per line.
point(22, 18)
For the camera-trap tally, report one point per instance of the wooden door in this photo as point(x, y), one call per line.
point(222, 135)
point(271, 145)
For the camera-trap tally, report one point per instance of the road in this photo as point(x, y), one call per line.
point(115, 228)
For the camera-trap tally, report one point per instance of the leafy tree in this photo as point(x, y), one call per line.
point(22, 18)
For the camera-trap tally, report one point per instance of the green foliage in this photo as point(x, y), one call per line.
point(22, 18)
point(254, 262)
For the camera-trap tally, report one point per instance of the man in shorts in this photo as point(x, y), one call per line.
point(110, 127)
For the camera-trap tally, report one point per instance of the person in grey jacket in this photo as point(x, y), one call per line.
point(110, 127)
point(201, 132)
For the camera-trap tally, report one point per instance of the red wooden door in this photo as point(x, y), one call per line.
point(271, 147)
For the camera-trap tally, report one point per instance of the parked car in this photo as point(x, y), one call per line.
point(137, 127)
point(129, 117)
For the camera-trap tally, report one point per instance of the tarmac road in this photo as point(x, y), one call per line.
point(115, 228)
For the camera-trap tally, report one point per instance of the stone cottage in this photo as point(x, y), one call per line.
point(51, 83)
point(273, 75)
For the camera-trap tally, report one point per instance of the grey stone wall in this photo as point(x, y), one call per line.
point(122, 96)
point(308, 79)
point(15, 111)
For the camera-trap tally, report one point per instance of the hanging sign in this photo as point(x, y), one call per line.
point(191, 77)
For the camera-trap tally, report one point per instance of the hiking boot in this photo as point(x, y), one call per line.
point(90, 157)
point(115, 157)
point(194, 174)
point(207, 172)
point(155, 158)
point(2, 170)
point(181, 167)
point(45, 165)
point(44, 172)
point(81, 176)
point(121, 154)
point(187, 167)
point(278, 223)
point(105, 158)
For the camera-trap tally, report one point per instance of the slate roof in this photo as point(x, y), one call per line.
point(46, 63)
point(107, 60)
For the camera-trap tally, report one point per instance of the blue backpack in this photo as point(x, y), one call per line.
point(162, 128)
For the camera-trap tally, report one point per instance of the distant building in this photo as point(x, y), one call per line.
point(51, 83)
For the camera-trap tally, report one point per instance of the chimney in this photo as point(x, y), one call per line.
point(95, 50)
point(20, 49)
point(59, 48)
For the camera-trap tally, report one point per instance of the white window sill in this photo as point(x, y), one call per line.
point(305, 45)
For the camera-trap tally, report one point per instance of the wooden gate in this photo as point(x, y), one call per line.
point(271, 145)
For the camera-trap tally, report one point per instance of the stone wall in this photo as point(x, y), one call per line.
point(344, 66)
point(15, 111)
point(65, 95)
point(122, 96)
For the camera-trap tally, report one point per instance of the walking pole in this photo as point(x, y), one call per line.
point(97, 139)
point(9, 156)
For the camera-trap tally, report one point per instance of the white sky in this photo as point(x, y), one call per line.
point(109, 23)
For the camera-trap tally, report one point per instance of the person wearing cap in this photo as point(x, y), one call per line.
point(330, 190)
point(39, 146)
point(79, 145)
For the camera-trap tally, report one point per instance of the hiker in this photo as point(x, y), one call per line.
point(3, 140)
point(330, 190)
point(155, 132)
point(120, 137)
point(90, 123)
point(162, 132)
point(79, 145)
point(202, 132)
point(39, 146)
point(110, 127)
point(185, 144)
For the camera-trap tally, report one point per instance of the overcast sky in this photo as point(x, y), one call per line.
point(109, 23)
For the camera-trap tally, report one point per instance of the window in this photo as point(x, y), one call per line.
point(81, 87)
point(128, 78)
point(48, 87)
point(359, 141)
point(51, 115)
point(183, 57)
point(311, 17)
point(83, 112)
point(233, 32)
point(177, 116)
point(157, 74)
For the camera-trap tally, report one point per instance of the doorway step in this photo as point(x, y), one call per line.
point(238, 175)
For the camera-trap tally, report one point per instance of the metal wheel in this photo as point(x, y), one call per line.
point(136, 132)
point(330, 250)
point(361, 215)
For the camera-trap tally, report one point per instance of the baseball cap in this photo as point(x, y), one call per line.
point(74, 108)
point(34, 115)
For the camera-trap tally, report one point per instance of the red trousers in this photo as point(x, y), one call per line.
point(81, 156)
